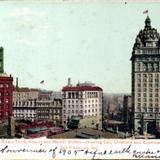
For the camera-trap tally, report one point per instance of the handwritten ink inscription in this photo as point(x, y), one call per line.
point(57, 151)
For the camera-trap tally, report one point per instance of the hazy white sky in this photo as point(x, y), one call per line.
point(84, 41)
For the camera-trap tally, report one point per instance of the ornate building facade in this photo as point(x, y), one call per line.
point(146, 80)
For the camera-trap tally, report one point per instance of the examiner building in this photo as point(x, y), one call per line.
point(146, 80)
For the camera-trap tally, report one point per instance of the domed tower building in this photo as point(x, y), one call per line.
point(146, 80)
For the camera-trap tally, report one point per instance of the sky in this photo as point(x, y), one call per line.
point(52, 41)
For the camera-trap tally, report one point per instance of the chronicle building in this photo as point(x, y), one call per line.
point(146, 80)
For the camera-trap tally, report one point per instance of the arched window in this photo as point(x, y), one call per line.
point(137, 66)
point(155, 67)
point(144, 67)
point(149, 67)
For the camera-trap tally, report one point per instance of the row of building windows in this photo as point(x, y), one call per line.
point(81, 111)
point(73, 95)
point(148, 84)
point(81, 101)
point(144, 104)
point(150, 100)
point(76, 106)
point(4, 93)
point(4, 113)
point(32, 116)
point(4, 85)
point(92, 95)
point(150, 95)
point(148, 92)
point(47, 103)
point(6, 108)
point(150, 88)
point(150, 109)
point(45, 111)
point(41, 111)
point(33, 111)
point(64, 116)
point(43, 117)
point(144, 94)
point(24, 103)
point(35, 103)
point(139, 76)
point(148, 51)
point(147, 66)
point(151, 50)
point(147, 89)
point(22, 111)
point(6, 100)
point(148, 80)
point(24, 115)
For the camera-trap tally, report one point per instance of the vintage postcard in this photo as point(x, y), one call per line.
point(79, 79)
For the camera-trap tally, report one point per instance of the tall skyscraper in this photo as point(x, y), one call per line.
point(146, 80)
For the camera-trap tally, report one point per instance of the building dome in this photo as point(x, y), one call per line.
point(148, 37)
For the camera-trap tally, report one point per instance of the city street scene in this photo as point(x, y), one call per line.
point(79, 70)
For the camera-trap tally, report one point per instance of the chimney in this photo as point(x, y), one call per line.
point(1, 60)
point(69, 82)
point(16, 83)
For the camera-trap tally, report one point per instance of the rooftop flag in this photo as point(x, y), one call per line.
point(146, 11)
point(42, 82)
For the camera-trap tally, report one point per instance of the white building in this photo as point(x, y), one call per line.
point(38, 109)
point(25, 110)
point(24, 94)
point(82, 100)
